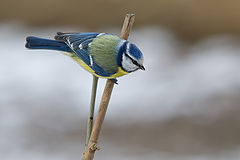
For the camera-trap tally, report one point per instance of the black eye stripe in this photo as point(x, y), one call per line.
point(134, 62)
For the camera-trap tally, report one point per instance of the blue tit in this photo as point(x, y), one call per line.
point(103, 55)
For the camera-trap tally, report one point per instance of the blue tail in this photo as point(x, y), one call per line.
point(41, 43)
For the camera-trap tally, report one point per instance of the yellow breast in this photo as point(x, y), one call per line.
point(87, 68)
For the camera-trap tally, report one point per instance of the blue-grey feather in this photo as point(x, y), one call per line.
point(73, 37)
point(83, 55)
point(75, 45)
point(86, 43)
point(77, 37)
point(83, 42)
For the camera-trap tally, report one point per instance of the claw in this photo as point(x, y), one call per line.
point(114, 80)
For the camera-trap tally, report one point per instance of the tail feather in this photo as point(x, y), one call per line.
point(59, 36)
point(41, 43)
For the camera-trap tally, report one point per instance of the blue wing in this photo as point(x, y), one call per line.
point(79, 43)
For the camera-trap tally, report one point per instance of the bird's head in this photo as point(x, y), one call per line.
point(132, 58)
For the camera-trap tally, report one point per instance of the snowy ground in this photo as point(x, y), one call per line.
point(44, 96)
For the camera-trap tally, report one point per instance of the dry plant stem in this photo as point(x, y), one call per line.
point(91, 111)
point(92, 146)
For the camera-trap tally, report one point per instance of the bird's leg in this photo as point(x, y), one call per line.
point(114, 80)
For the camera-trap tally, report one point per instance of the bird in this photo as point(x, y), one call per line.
point(102, 54)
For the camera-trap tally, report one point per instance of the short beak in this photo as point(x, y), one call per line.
point(142, 68)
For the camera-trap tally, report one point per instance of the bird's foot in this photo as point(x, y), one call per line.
point(114, 80)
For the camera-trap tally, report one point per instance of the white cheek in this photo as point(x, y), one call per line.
point(128, 65)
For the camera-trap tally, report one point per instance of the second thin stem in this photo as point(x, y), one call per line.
point(92, 106)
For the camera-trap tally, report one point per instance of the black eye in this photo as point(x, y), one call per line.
point(133, 61)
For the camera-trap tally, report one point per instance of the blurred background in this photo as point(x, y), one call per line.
point(185, 106)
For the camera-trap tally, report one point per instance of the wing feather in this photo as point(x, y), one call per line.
point(80, 43)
